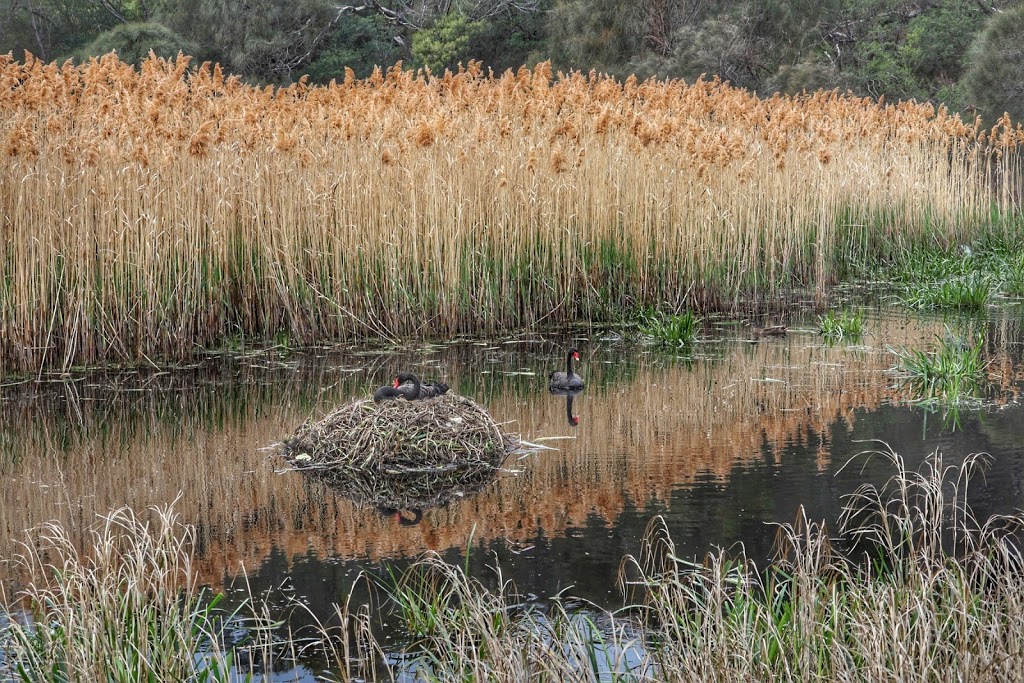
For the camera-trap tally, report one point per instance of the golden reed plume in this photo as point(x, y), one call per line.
point(149, 212)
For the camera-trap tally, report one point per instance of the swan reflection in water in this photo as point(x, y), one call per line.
point(417, 515)
point(569, 394)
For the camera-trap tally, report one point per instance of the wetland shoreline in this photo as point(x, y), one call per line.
point(469, 207)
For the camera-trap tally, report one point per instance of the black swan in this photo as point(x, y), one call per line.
point(419, 390)
point(388, 392)
point(567, 379)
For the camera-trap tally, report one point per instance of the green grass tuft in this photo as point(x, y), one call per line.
point(675, 331)
point(953, 372)
point(967, 293)
point(844, 326)
point(1012, 276)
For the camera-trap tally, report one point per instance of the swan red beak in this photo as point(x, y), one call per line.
point(395, 383)
point(575, 355)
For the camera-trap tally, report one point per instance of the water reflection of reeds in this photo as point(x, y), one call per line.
point(648, 426)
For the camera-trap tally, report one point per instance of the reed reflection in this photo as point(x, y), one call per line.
point(204, 436)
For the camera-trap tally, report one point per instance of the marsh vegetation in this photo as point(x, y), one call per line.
point(158, 216)
point(913, 586)
point(156, 212)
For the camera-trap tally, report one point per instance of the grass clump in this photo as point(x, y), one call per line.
point(971, 292)
point(128, 610)
point(844, 326)
point(912, 572)
point(460, 630)
point(1012, 275)
point(954, 371)
point(674, 331)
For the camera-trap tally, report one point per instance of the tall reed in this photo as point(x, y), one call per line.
point(128, 609)
point(149, 213)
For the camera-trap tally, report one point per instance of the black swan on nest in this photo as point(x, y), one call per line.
point(414, 392)
point(419, 390)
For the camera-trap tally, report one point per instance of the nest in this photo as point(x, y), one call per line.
point(445, 436)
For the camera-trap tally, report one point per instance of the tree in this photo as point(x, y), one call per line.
point(266, 40)
point(446, 43)
point(994, 79)
point(133, 42)
point(508, 41)
point(419, 14)
point(594, 34)
point(51, 29)
point(359, 43)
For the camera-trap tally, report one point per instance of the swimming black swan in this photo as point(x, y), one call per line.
point(567, 379)
point(419, 390)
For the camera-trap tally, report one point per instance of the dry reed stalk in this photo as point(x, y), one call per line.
point(153, 212)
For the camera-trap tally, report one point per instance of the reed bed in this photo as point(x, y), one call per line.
point(912, 588)
point(127, 608)
point(149, 213)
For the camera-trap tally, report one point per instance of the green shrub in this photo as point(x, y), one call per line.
point(951, 373)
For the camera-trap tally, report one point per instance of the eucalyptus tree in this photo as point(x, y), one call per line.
point(994, 81)
point(51, 29)
point(419, 14)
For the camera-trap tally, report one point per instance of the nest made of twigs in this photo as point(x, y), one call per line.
point(438, 435)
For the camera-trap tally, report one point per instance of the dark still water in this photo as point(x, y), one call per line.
point(721, 443)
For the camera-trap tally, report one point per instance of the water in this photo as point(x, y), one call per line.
point(723, 443)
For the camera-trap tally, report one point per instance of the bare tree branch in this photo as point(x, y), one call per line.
point(39, 25)
point(109, 6)
point(417, 14)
